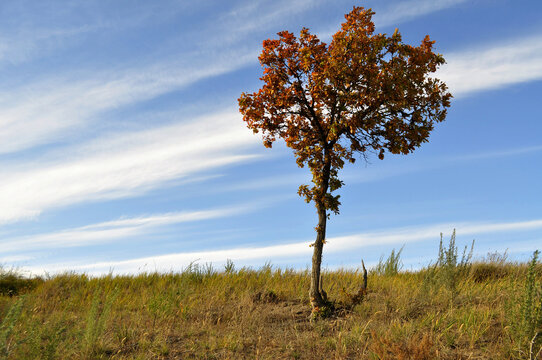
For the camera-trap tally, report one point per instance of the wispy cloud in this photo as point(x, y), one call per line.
point(407, 10)
point(14, 258)
point(30, 30)
point(498, 153)
point(127, 164)
point(516, 61)
point(40, 113)
point(106, 232)
point(334, 245)
point(256, 16)
point(31, 43)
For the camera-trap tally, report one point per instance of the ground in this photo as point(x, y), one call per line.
point(469, 311)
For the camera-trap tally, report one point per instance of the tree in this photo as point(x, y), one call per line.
point(363, 93)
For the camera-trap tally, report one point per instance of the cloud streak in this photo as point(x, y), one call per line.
point(29, 30)
point(408, 10)
point(29, 44)
point(109, 231)
point(173, 262)
point(124, 165)
point(498, 154)
point(517, 61)
point(44, 112)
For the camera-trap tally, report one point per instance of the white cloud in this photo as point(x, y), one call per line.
point(491, 68)
point(497, 154)
point(27, 44)
point(30, 30)
point(399, 236)
point(125, 165)
point(470, 229)
point(259, 15)
point(407, 10)
point(13, 259)
point(106, 232)
point(44, 112)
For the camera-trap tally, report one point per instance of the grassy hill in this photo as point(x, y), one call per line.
point(454, 309)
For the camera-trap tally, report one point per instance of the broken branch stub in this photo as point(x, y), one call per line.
point(358, 298)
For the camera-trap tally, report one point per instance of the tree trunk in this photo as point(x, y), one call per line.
point(316, 298)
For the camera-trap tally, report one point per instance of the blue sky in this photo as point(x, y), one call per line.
point(122, 149)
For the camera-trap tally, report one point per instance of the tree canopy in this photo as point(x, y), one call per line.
point(363, 92)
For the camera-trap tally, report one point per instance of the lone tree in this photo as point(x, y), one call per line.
point(362, 93)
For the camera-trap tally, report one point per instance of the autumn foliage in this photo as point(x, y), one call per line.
point(362, 93)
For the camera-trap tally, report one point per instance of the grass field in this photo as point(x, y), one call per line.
point(456, 308)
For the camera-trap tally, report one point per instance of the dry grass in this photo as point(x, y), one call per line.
point(264, 314)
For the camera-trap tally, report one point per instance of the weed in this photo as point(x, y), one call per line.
point(97, 320)
point(448, 269)
point(7, 326)
point(196, 272)
point(526, 313)
point(229, 268)
point(45, 339)
point(451, 268)
point(391, 266)
point(159, 306)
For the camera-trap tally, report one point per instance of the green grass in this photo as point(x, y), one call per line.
point(491, 310)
